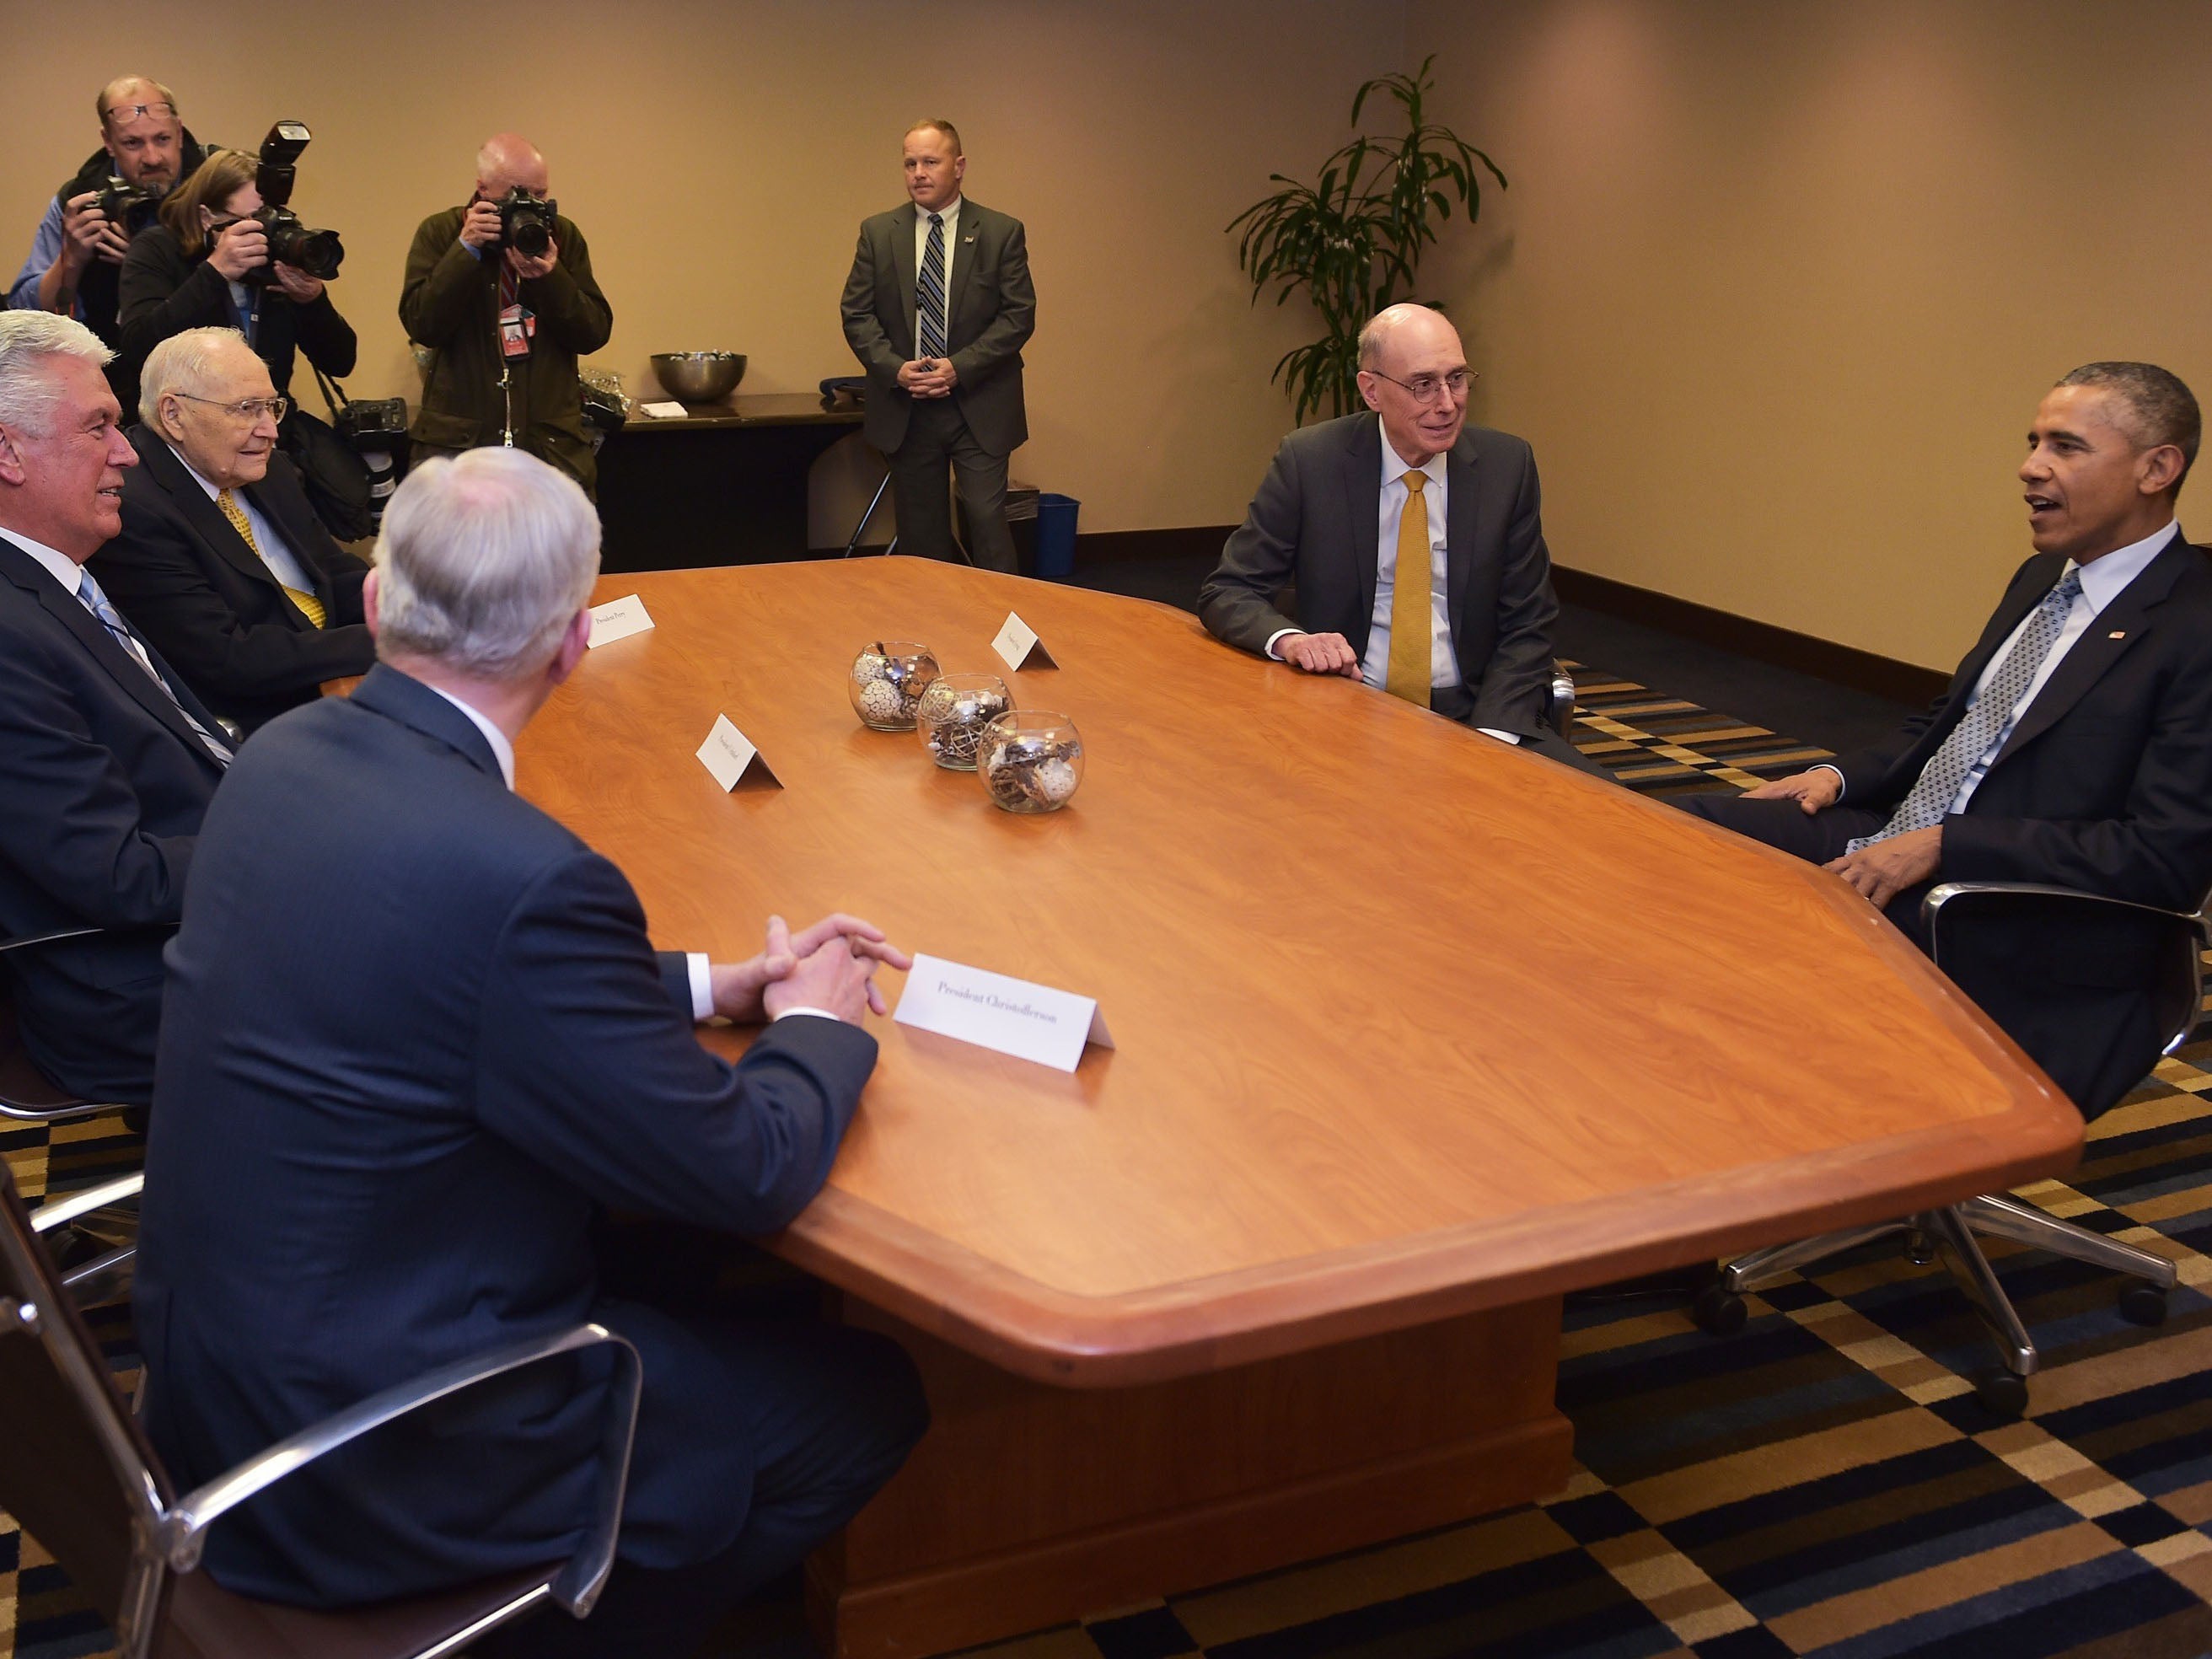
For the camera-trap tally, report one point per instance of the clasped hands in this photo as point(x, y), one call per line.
point(929, 377)
point(831, 966)
point(1881, 872)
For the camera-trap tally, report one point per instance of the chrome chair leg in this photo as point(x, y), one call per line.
point(2023, 1223)
point(1747, 1270)
point(1972, 1269)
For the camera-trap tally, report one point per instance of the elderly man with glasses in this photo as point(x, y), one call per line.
point(77, 255)
point(1471, 636)
point(222, 562)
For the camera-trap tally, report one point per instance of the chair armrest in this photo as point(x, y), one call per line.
point(8, 945)
point(1931, 908)
point(181, 1537)
point(63, 1211)
point(1561, 709)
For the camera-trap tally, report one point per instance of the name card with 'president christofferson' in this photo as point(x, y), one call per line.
point(729, 755)
point(1030, 1021)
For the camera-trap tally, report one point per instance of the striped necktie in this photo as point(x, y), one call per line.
point(1411, 666)
point(929, 291)
point(310, 606)
point(1937, 786)
point(89, 592)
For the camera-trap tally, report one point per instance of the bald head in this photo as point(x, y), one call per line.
point(510, 161)
point(1403, 331)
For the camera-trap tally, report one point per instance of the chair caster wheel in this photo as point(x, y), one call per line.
point(2001, 1393)
point(1919, 1249)
point(1718, 1311)
point(2143, 1304)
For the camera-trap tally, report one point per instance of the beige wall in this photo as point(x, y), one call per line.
point(1777, 286)
point(720, 158)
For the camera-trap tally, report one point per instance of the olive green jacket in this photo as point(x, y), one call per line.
point(450, 304)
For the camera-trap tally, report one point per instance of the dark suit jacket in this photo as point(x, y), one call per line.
point(1313, 523)
point(416, 1033)
point(164, 291)
point(2104, 785)
point(106, 788)
point(993, 307)
point(188, 583)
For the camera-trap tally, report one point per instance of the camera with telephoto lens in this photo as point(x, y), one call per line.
point(376, 428)
point(318, 252)
point(526, 224)
point(127, 206)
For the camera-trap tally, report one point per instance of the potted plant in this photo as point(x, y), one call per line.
point(1353, 241)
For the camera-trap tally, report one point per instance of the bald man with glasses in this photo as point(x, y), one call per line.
point(1348, 502)
point(223, 562)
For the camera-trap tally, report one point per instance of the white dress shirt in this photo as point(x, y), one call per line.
point(276, 552)
point(2102, 579)
point(951, 215)
point(1391, 510)
point(695, 961)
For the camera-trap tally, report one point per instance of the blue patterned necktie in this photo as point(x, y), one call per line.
point(101, 606)
point(1938, 784)
point(929, 290)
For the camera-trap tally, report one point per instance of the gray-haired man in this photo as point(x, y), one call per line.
point(108, 761)
point(415, 1034)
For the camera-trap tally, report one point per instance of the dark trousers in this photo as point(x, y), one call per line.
point(937, 436)
point(1816, 837)
point(1455, 702)
point(831, 1413)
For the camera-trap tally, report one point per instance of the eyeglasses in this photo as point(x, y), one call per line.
point(121, 112)
point(245, 409)
point(1424, 387)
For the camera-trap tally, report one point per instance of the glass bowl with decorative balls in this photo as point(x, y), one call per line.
point(953, 714)
point(887, 681)
point(1030, 761)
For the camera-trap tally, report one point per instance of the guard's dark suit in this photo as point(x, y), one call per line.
point(2105, 784)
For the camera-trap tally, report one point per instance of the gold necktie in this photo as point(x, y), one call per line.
point(309, 604)
point(1407, 673)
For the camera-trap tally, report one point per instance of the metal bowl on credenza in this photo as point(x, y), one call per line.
point(699, 377)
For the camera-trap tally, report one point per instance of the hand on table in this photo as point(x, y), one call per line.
point(1812, 790)
point(1885, 869)
point(829, 965)
point(1319, 654)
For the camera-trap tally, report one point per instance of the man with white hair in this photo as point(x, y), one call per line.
point(416, 1034)
point(221, 561)
point(108, 761)
point(505, 321)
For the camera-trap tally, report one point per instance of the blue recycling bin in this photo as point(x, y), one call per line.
point(1055, 536)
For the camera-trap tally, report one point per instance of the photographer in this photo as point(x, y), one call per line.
point(206, 264)
point(78, 253)
point(501, 290)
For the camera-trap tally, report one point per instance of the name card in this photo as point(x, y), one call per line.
point(1030, 1021)
point(729, 755)
point(1019, 645)
point(664, 411)
point(617, 619)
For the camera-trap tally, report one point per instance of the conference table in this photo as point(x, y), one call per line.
point(1413, 1032)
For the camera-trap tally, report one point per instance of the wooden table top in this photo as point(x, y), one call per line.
point(1409, 1022)
point(763, 409)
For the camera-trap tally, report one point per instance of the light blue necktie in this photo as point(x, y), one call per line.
point(101, 606)
point(929, 290)
point(1938, 784)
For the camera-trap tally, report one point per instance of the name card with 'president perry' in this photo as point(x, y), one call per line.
point(1030, 1021)
point(729, 755)
point(617, 619)
point(1019, 645)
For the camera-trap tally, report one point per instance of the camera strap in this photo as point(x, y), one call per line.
point(334, 396)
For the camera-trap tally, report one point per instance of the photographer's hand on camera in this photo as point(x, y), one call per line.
point(238, 248)
point(480, 226)
point(524, 267)
point(87, 233)
point(295, 284)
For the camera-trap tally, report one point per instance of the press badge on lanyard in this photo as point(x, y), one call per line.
point(518, 325)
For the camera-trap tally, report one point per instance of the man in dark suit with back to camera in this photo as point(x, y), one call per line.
point(222, 562)
point(108, 760)
point(1473, 641)
point(2073, 746)
point(937, 308)
point(403, 1067)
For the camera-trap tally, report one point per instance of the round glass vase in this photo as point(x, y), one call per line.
point(953, 714)
point(1030, 761)
point(887, 681)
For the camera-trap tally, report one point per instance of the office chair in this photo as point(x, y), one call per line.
point(80, 1477)
point(1559, 703)
point(2178, 987)
point(26, 1094)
